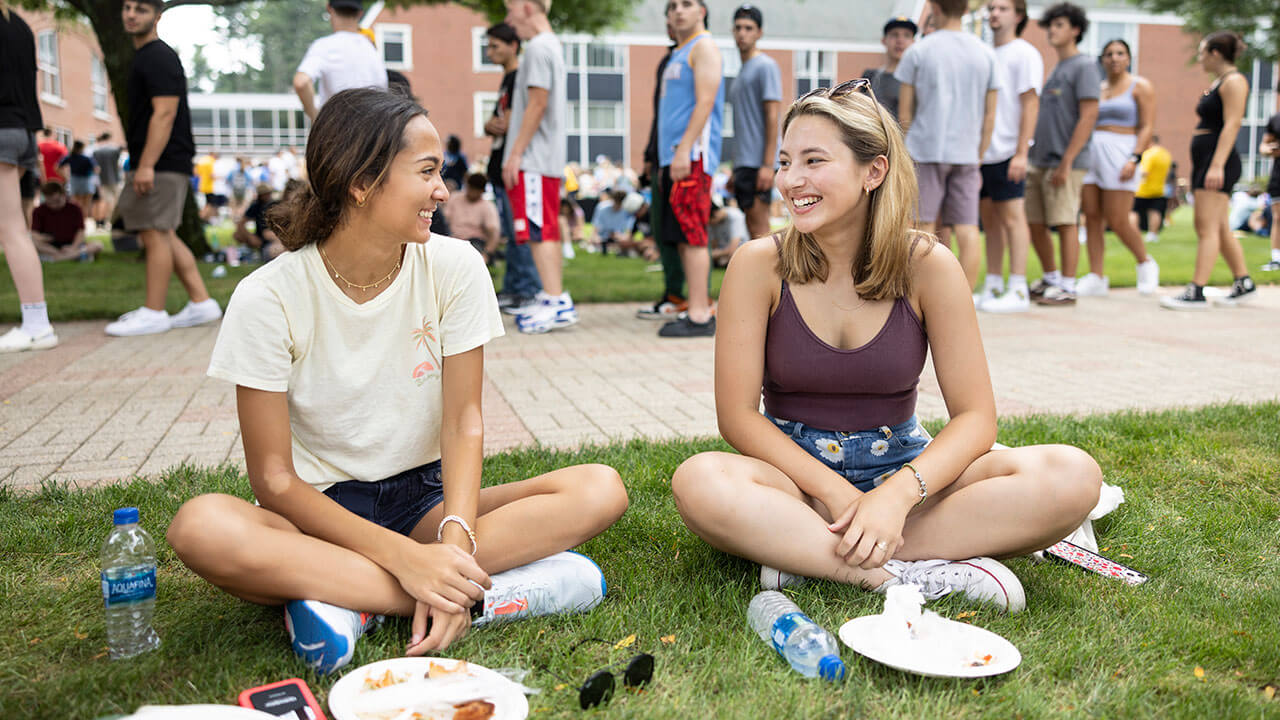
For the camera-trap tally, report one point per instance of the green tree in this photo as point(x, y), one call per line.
point(272, 25)
point(1258, 21)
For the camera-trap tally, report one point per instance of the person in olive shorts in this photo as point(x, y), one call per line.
point(155, 187)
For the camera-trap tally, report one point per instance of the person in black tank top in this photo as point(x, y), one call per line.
point(832, 321)
point(1215, 169)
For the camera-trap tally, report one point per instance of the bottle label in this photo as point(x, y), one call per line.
point(784, 626)
point(129, 588)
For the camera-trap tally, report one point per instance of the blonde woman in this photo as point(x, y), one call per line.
point(832, 320)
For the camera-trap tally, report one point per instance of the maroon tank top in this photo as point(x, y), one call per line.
point(809, 381)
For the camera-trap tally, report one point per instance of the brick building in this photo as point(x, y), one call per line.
point(75, 95)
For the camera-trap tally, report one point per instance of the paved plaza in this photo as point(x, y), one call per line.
point(98, 409)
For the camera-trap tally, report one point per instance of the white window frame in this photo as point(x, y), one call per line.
point(380, 31)
point(619, 117)
point(99, 87)
point(479, 60)
point(50, 67)
point(619, 55)
point(63, 135)
point(815, 76)
point(479, 116)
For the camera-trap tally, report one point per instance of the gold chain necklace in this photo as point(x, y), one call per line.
point(338, 276)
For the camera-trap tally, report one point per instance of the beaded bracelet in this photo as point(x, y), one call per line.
point(472, 533)
point(924, 489)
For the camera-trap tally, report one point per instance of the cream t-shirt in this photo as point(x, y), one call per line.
point(363, 380)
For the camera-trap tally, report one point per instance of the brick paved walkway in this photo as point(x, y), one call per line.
point(96, 409)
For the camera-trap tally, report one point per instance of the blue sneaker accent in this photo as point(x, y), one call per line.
point(323, 635)
point(604, 586)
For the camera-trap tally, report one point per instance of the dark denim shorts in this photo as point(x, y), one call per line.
point(865, 458)
point(398, 503)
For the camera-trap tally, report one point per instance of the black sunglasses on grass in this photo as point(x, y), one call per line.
point(599, 686)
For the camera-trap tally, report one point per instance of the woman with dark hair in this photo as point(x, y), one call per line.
point(358, 359)
point(1126, 121)
point(832, 321)
point(19, 119)
point(1215, 169)
point(80, 178)
point(455, 163)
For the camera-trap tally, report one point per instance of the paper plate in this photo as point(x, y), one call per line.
point(508, 700)
point(954, 647)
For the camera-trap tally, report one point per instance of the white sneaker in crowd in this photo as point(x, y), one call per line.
point(1151, 237)
point(324, 635)
point(1148, 276)
point(1014, 300)
point(143, 321)
point(1093, 285)
point(550, 313)
point(981, 579)
point(17, 340)
point(566, 582)
point(196, 313)
point(985, 295)
point(775, 579)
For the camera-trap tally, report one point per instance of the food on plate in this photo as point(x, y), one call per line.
point(474, 710)
point(455, 691)
point(436, 670)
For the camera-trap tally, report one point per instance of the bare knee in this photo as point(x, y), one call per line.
point(697, 485)
point(1077, 479)
point(207, 534)
point(605, 492)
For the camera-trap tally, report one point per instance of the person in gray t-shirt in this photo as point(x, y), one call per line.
point(726, 232)
point(756, 95)
point(1068, 110)
point(899, 34)
point(948, 108)
point(107, 156)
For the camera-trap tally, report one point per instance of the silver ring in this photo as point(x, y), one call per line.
point(882, 545)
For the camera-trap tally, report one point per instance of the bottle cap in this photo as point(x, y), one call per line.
point(831, 668)
point(125, 515)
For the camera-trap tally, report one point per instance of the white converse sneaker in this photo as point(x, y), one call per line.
point(563, 583)
point(1014, 300)
point(1093, 285)
point(1148, 276)
point(775, 579)
point(143, 321)
point(324, 635)
point(17, 340)
point(980, 579)
point(197, 313)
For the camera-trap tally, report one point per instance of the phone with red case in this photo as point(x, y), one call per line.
point(287, 699)
point(1073, 554)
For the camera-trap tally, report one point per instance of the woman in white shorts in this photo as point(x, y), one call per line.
point(1126, 120)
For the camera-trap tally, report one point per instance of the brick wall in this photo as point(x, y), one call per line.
point(74, 111)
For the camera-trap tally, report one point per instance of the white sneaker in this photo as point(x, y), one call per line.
point(143, 321)
point(775, 579)
point(563, 583)
point(550, 313)
point(324, 635)
point(980, 579)
point(17, 340)
point(1014, 300)
point(1148, 277)
point(1151, 237)
point(1093, 285)
point(196, 313)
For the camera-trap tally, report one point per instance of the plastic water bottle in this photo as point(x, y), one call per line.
point(129, 586)
point(809, 648)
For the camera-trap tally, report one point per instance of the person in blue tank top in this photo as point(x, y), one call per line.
point(690, 118)
point(832, 320)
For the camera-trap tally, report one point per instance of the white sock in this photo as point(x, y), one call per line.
point(1275, 254)
point(1068, 284)
point(994, 283)
point(1150, 236)
point(35, 318)
point(1017, 281)
point(1055, 277)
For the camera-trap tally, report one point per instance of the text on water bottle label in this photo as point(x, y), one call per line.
point(130, 588)
point(783, 627)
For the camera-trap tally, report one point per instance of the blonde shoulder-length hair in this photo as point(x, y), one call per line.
point(882, 268)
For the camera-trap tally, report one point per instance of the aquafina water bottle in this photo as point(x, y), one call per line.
point(809, 648)
point(129, 586)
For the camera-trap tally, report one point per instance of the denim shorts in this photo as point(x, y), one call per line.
point(866, 458)
point(398, 503)
point(18, 147)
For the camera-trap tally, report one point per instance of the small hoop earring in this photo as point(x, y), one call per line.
point(361, 202)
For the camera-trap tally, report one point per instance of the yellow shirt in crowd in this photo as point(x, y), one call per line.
point(1154, 169)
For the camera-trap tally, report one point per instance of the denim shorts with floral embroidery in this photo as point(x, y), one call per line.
point(866, 458)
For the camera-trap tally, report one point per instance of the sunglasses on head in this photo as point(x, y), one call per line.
point(599, 686)
point(847, 87)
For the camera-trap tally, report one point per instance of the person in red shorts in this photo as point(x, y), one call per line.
point(690, 120)
point(537, 148)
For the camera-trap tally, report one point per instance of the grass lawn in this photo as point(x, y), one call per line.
point(1199, 640)
point(114, 284)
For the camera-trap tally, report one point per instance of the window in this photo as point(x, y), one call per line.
point(604, 57)
point(479, 58)
point(64, 136)
point(98, 80)
point(814, 69)
point(47, 62)
point(395, 42)
point(603, 118)
point(482, 105)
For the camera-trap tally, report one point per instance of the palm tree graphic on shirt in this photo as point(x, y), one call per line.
point(424, 337)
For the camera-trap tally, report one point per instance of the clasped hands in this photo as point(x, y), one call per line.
point(445, 581)
point(871, 525)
